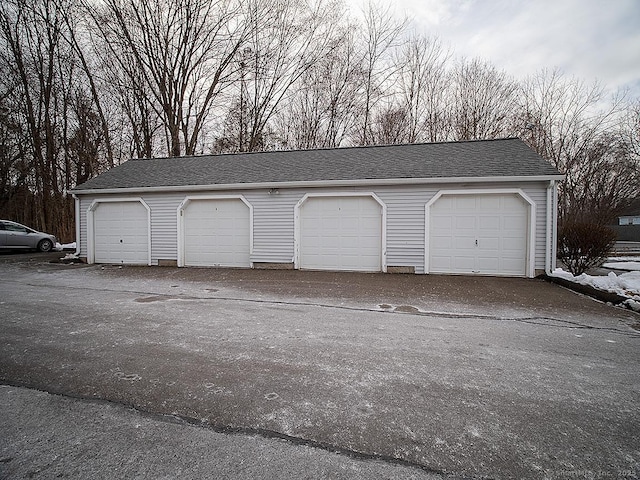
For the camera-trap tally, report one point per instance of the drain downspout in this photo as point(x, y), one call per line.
point(549, 232)
point(76, 201)
point(554, 244)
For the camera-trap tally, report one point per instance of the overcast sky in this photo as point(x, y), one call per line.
point(587, 38)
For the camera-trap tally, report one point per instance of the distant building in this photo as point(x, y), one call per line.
point(628, 225)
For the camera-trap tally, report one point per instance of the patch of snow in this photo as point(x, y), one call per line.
point(633, 305)
point(625, 284)
point(630, 266)
point(65, 246)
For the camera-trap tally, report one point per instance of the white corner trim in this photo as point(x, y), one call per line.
point(307, 196)
point(76, 202)
point(91, 253)
point(180, 213)
point(530, 264)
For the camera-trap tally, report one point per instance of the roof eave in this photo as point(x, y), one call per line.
point(318, 184)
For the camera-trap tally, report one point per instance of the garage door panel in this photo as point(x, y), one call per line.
point(440, 243)
point(365, 244)
point(517, 224)
point(348, 235)
point(329, 224)
point(465, 202)
point(463, 263)
point(488, 265)
point(461, 242)
point(465, 222)
point(490, 223)
point(216, 232)
point(489, 202)
point(512, 244)
point(442, 223)
point(488, 234)
point(489, 243)
point(121, 233)
point(447, 203)
point(441, 263)
point(512, 265)
point(330, 246)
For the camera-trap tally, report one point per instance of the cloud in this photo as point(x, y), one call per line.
point(587, 38)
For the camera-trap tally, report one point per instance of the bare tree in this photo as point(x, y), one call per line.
point(607, 179)
point(484, 101)
point(563, 120)
point(135, 117)
point(391, 125)
point(182, 50)
point(323, 110)
point(630, 128)
point(422, 81)
point(381, 32)
point(72, 34)
point(15, 165)
point(53, 111)
point(287, 39)
point(84, 141)
point(33, 49)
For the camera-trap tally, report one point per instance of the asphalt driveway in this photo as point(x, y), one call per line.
point(471, 377)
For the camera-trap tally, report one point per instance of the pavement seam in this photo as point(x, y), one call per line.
point(253, 431)
point(541, 320)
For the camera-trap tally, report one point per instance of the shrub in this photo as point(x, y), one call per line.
point(584, 245)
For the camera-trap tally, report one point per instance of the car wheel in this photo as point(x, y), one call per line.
point(45, 245)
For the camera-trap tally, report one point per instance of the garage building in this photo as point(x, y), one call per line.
point(473, 208)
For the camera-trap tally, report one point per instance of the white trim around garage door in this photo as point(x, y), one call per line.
point(296, 222)
point(91, 253)
point(188, 199)
point(530, 261)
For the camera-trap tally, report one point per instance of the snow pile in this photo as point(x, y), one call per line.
point(70, 258)
point(630, 266)
point(65, 246)
point(626, 284)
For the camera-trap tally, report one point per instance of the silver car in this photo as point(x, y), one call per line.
point(14, 236)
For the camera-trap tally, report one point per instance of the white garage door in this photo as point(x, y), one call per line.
point(479, 234)
point(341, 233)
point(216, 233)
point(121, 233)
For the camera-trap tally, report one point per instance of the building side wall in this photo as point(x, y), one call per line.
point(273, 220)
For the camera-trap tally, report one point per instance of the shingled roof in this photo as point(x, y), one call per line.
point(465, 160)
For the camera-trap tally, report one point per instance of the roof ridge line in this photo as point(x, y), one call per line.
point(324, 149)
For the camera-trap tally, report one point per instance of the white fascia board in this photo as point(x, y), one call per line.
point(319, 183)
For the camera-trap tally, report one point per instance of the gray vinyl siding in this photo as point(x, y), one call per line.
point(273, 225)
point(273, 220)
point(539, 196)
point(164, 225)
point(406, 226)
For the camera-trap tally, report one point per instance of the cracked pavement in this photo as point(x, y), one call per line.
point(430, 376)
